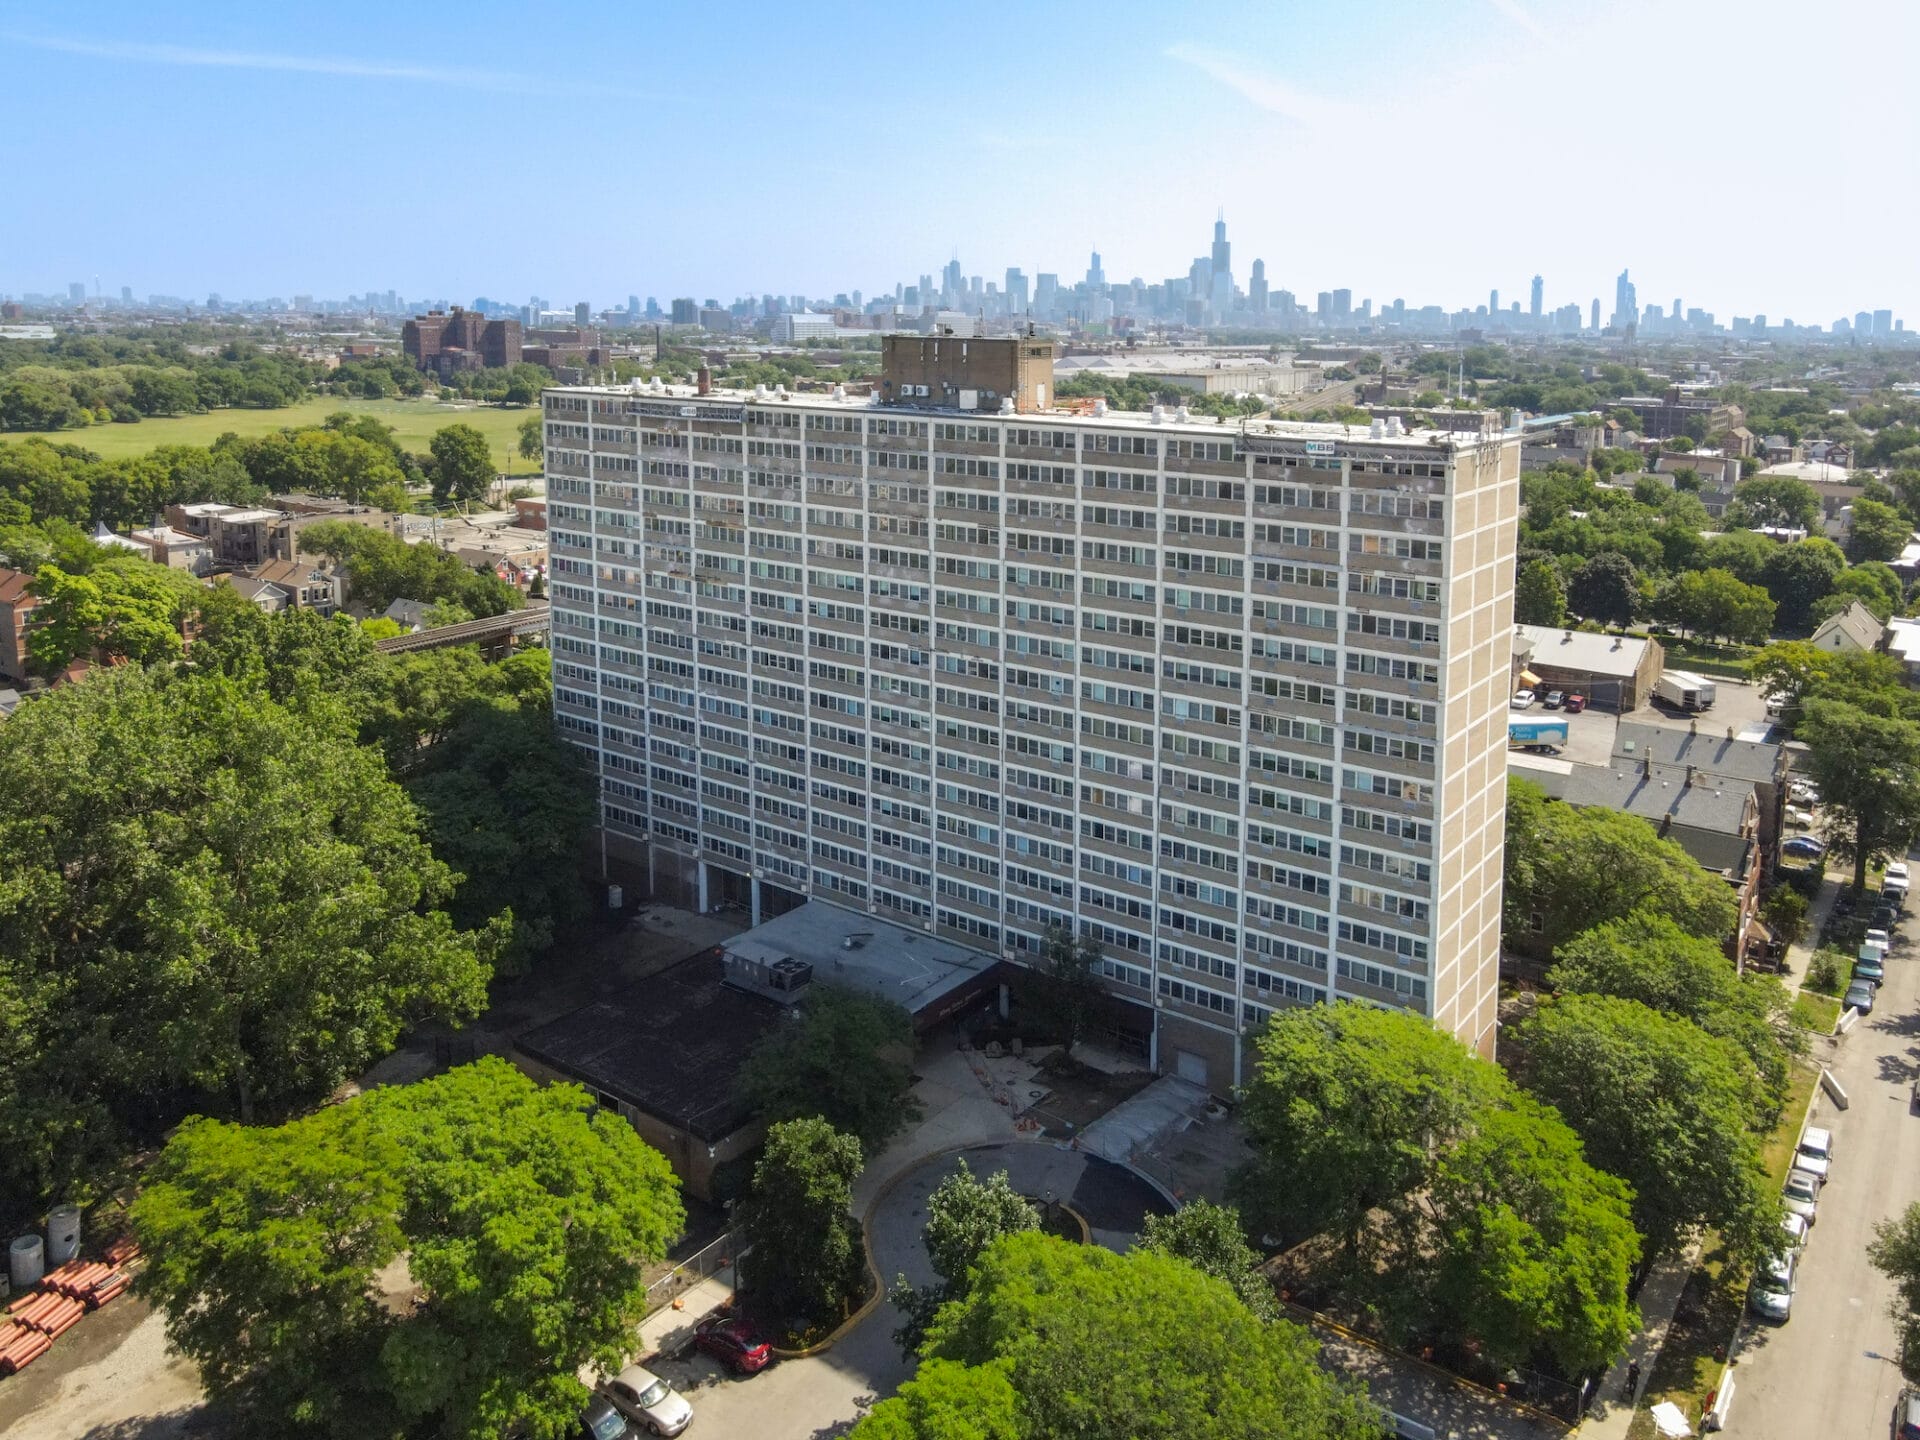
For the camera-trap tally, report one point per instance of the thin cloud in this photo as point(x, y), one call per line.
point(1268, 93)
point(262, 60)
point(1519, 15)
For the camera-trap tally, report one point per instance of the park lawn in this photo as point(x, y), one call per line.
point(414, 423)
point(1814, 1012)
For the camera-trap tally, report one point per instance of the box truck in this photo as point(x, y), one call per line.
point(1684, 691)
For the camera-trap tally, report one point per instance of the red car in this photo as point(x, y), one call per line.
point(732, 1342)
point(1576, 703)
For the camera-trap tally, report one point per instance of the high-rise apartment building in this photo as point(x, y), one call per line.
point(1232, 701)
point(1537, 297)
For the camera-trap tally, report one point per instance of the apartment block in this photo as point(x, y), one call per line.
point(1230, 699)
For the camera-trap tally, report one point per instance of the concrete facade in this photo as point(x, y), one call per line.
point(1232, 702)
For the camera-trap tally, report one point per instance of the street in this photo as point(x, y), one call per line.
point(1831, 1370)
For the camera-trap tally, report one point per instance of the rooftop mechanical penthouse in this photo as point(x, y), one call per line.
point(1231, 699)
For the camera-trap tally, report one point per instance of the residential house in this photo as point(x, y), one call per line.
point(306, 584)
point(1725, 756)
point(409, 615)
point(176, 549)
point(16, 604)
point(1854, 628)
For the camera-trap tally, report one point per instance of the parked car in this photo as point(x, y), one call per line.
point(1555, 699)
point(1872, 971)
point(1906, 1416)
point(1801, 818)
point(1859, 997)
point(1802, 1195)
point(1883, 916)
point(1880, 939)
point(1771, 1295)
point(600, 1421)
point(1894, 882)
point(1576, 702)
point(1897, 870)
point(731, 1341)
point(1801, 793)
point(1804, 847)
point(1815, 1155)
point(1796, 1228)
point(1522, 700)
point(647, 1400)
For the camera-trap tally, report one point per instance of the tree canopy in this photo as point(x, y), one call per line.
point(211, 900)
point(438, 1258)
point(1674, 1111)
point(804, 1258)
point(1570, 868)
point(1057, 1339)
point(1459, 1205)
point(848, 1059)
point(1868, 768)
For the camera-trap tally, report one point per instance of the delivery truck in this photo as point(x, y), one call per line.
point(1684, 690)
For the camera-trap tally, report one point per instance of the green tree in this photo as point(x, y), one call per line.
point(1211, 1238)
point(1798, 576)
point(1868, 769)
point(1895, 1253)
point(1792, 671)
point(1670, 1109)
point(1540, 596)
point(1358, 1098)
point(1056, 1339)
point(1880, 532)
point(462, 464)
point(964, 1216)
point(1607, 589)
point(1067, 982)
point(1779, 500)
point(523, 1217)
point(1648, 958)
point(804, 1257)
point(509, 806)
point(532, 438)
point(1536, 1250)
point(213, 901)
point(848, 1059)
point(1569, 868)
point(1716, 604)
point(123, 608)
point(1460, 1205)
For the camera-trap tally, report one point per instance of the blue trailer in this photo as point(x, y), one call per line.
point(1536, 732)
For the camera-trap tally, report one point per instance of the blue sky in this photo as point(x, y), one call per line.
point(1740, 156)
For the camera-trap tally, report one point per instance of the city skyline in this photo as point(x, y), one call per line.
point(1356, 94)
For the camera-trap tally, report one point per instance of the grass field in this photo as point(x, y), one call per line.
point(413, 421)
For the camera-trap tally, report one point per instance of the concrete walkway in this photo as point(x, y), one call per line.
point(959, 1112)
point(1611, 1411)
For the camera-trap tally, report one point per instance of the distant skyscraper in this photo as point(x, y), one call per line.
point(1096, 277)
point(1493, 301)
point(1677, 311)
point(1626, 302)
point(953, 285)
point(1863, 323)
point(582, 313)
point(1883, 322)
point(1046, 294)
point(1539, 294)
point(1018, 301)
point(1257, 288)
point(633, 307)
point(1323, 305)
point(77, 291)
point(1595, 323)
point(1342, 306)
point(1221, 268)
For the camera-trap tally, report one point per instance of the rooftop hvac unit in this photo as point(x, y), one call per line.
point(788, 974)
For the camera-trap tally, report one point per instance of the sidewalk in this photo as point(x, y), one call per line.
point(959, 1112)
point(1800, 953)
point(670, 1329)
point(1611, 1411)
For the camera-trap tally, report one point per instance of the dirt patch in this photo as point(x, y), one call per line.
point(111, 1375)
point(1077, 1094)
